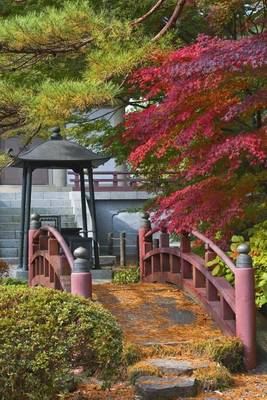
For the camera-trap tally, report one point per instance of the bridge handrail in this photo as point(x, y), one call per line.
point(233, 308)
point(61, 241)
point(216, 250)
point(224, 257)
point(152, 231)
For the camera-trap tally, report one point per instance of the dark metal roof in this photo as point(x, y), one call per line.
point(59, 153)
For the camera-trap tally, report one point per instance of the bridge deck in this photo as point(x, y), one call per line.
point(156, 313)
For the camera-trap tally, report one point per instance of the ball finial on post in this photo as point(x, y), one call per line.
point(56, 133)
point(35, 222)
point(81, 278)
point(243, 259)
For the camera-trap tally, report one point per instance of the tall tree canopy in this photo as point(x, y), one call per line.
point(205, 122)
point(63, 57)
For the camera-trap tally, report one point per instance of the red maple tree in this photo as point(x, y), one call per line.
point(205, 122)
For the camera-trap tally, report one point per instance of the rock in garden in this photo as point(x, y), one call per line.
point(165, 388)
point(177, 367)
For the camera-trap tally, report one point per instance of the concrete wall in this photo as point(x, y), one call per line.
point(113, 217)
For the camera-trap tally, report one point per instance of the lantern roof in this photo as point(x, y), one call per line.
point(59, 153)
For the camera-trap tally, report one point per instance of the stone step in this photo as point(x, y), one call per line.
point(9, 243)
point(9, 226)
point(10, 260)
point(35, 195)
point(177, 367)
point(165, 388)
point(9, 234)
point(6, 219)
point(4, 211)
point(8, 252)
point(36, 203)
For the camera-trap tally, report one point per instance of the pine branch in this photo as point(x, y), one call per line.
point(176, 14)
point(150, 12)
point(47, 50)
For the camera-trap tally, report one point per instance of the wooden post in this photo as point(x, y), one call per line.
point(110, 243)
point(83, 204)
point(93, 217)
point(142, 244)
point(35, 225)
point(27, 218)
point(81, 278)
point(122, 249)
point(137, 250)
point(186, 268)
point(245, 305)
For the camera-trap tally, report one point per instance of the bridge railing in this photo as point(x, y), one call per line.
point(108, 180)
point(51, 263)
point(232, 307)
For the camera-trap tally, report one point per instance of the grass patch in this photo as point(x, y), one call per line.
point(226, 351)
point(142, 369)
point(132, 353)
point(215, 377)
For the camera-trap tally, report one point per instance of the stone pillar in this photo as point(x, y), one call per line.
point(59, 177)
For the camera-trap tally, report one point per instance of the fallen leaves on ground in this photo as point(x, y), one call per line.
point(142, 311)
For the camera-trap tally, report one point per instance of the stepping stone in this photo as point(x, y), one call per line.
point(177, 367)
point(166, 388)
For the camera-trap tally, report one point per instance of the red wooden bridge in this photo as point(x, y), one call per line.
point(52, 264)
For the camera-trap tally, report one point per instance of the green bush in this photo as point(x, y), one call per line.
point(127, 276)
point(45, 335)
point(7, 281)
point(258, 251)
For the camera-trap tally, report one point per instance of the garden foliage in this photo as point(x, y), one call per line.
point(258, 251)
point(45, 335)
point(127, 276)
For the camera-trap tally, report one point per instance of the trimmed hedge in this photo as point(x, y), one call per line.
point(45, 335)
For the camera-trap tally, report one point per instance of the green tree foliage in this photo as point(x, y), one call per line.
point(257, 239)
point(58, 58)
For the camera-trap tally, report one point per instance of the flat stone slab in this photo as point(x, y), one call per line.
point(177, 367)
point(165, 388)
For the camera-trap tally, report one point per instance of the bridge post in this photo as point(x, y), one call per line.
point(245, 305)
point(81, 277)
point(185, 247)
point(142, 244)
point(35, 225)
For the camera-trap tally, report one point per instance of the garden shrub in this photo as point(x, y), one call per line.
point(127, 276)
point(8, 281)
point(214, 377)
point(258, 251)
point(45, 335)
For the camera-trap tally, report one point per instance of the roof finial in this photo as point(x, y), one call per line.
point(56, 133)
